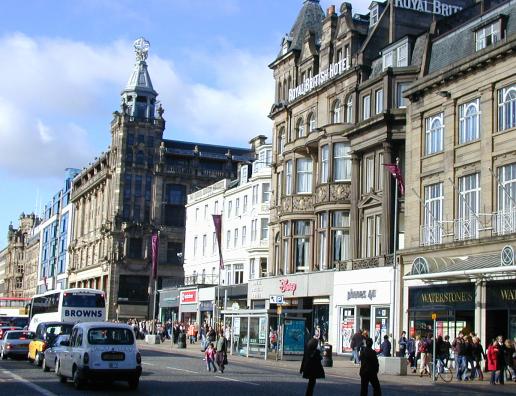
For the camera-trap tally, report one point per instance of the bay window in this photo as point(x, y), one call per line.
point(303, 176)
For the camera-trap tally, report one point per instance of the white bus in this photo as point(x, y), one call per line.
point(68, 305)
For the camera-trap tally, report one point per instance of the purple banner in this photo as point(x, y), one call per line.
point(154, 248)
point(217, 222)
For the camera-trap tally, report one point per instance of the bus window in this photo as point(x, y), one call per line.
point(83, 300)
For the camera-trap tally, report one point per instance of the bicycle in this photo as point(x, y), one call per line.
point(442, 371)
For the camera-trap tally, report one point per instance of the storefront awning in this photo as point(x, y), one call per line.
point(441, 268)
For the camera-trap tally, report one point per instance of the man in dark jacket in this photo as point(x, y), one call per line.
point(369, 370)
point(403, 344)
point(311, 366)
point(385, 348)
point(356, 345)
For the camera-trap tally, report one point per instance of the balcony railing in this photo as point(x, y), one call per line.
point(201, 280)
point(504, 222)
point(432, 234)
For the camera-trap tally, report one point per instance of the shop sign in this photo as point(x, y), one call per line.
point(206, 306)
point(361, 294)
point(430, 7)
point(460, 296)
point(188, 296)
point(501, 295)
point(286, 286)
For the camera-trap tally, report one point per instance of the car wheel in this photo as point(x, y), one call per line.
point(134, 382)
point(62, 378)
point(38, 360)
point(77, 381)
point(44, 365)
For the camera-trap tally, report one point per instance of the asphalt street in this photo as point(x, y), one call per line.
point(172, 372)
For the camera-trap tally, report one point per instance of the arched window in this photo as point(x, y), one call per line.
point(311, 122)
point(434, 134)
point(507, 108)
point(335, 112)
point(419, 266)
point(469, 121)
point(300, 128)
point(349, 109)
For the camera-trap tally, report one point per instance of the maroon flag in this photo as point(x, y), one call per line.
point(217, 222)
point(396, 172)
point(154, 248)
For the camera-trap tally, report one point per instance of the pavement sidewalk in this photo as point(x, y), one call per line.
point(342, 367)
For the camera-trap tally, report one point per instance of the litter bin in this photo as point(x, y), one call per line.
point(181, 341)
point(327, 358)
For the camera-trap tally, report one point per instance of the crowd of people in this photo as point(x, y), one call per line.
point(465, 354)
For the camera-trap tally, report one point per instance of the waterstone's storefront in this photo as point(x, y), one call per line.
point(501, 309)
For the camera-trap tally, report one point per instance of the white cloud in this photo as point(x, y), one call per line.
point(55, 91)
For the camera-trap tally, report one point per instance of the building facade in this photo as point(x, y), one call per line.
point(243, 204)
point(56, 233)
point(136, 188)
point(3, 265)
point(460, 176)
point(339, 115)
point(20, 266)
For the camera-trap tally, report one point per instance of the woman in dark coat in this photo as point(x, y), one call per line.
point(311, 366)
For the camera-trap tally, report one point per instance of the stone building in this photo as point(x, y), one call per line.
point(21, 247)
point(461, 177)
point(137, 187)
point(3, 262)
point(339, 115)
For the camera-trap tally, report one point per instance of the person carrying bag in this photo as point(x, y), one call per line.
point(221, 357)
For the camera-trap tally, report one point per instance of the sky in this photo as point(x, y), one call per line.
point(64, 63)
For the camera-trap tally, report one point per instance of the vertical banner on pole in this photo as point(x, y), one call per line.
point(217, 222)
point(154, 248)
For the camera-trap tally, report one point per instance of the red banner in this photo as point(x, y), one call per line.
point(154, 249)
point(396, 172)
point(217, 222)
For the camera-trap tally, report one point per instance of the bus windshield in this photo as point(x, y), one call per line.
point(83, 300)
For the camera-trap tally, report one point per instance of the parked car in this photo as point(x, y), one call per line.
point(15, 344)
point(44, 335)
point(100, 351)
point(59, 344)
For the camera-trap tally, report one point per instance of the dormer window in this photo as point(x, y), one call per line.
point(487, 35)
point(396, 56)
point(285, 44)
point(373, 15)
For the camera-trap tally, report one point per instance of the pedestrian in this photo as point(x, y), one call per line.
point(493, 362)
point(470, 362)
point(209, 356)
point(369, 370)
point(211, 334)
point(460, 355)
point(412, 350)
point(311, 366)
point(273, 339)
point(509, 353)
point(423, 349)
point(356, 346)
point(445, 349)
point(221, 354)
point(478, 354)
point(403, 344)
point(501, 358)
point(385, 347)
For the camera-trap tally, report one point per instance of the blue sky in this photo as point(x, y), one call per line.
point(64, 63)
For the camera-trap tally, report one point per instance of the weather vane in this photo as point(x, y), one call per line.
point(141, 47)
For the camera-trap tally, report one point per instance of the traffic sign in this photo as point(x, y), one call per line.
point(276, 300)
point(434, 316)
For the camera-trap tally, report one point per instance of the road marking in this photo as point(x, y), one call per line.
point(35, 387)
point(148, 364)
point(235, 380)
point(185, 370)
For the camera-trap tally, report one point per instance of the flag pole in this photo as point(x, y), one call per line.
point(394, 264)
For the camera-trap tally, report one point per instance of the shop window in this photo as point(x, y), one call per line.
point(434, 134)
point(469, 121)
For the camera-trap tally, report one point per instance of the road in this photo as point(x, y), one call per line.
point(167, 372)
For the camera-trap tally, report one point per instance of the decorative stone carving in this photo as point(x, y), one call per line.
point(286, 204)
point(303, 202)
point(340, 192)
point(322, 193)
